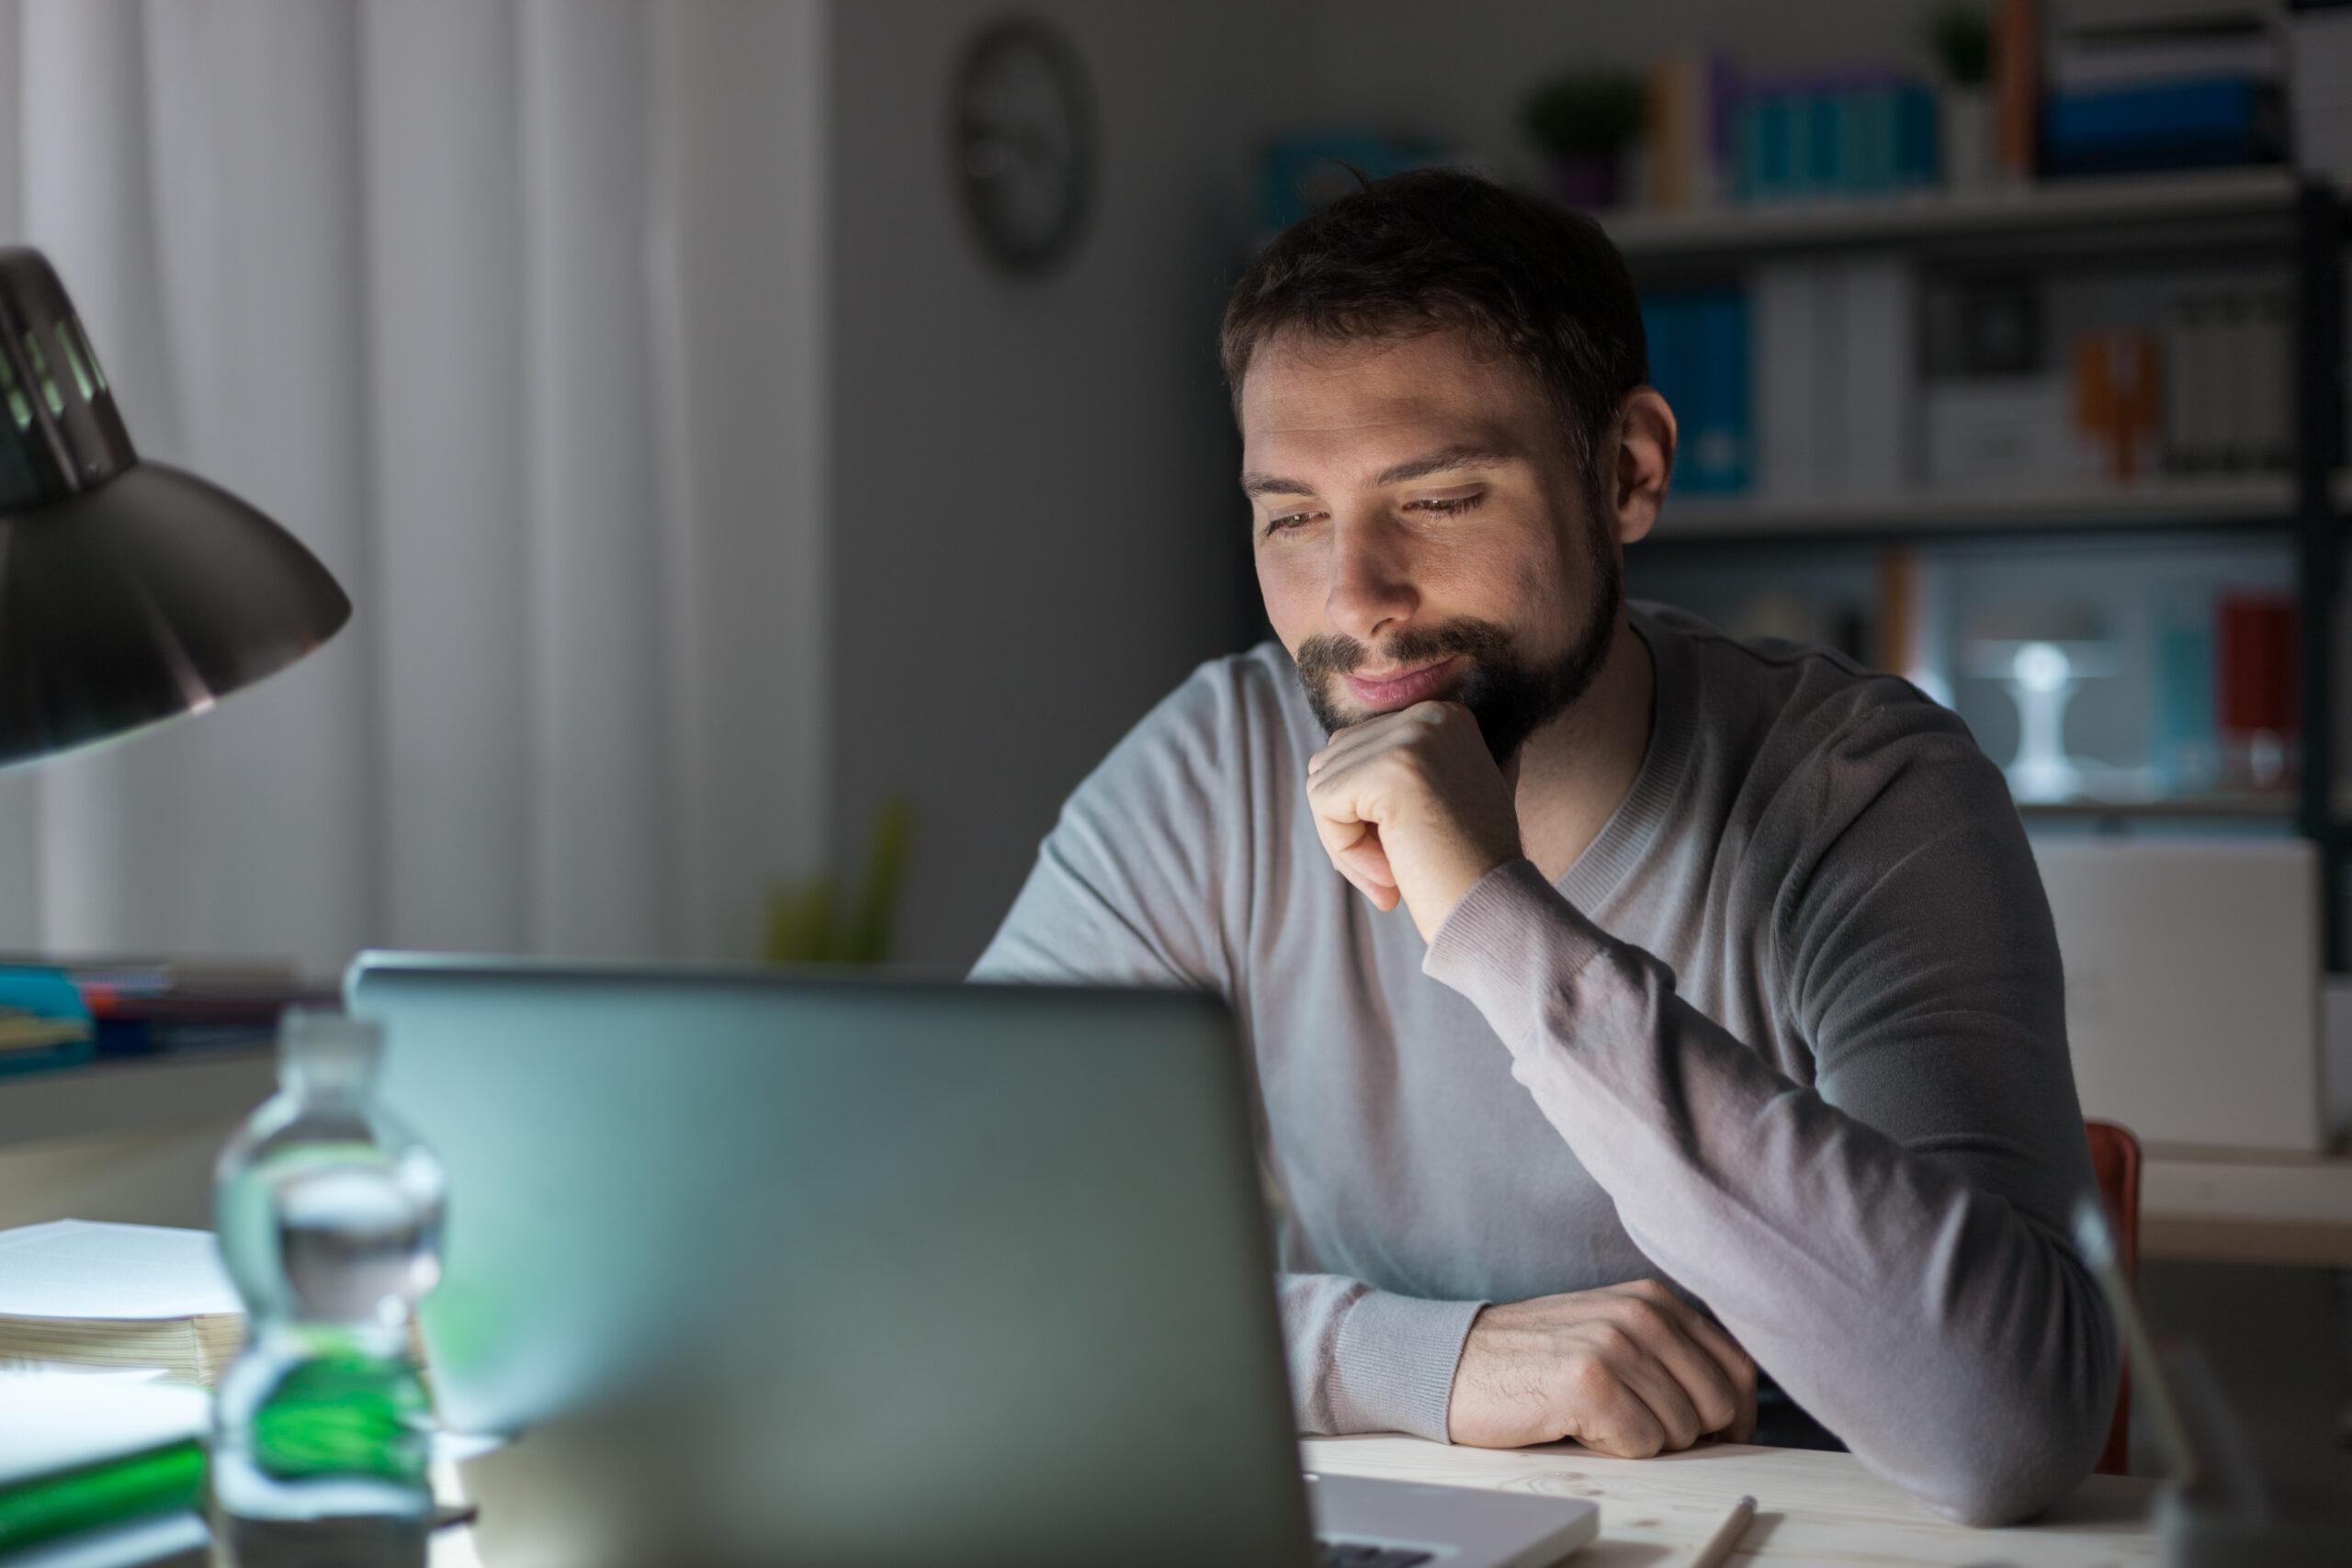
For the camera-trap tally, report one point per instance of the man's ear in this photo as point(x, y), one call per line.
point(1643, 462)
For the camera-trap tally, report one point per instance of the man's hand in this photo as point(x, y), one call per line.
point(1628, 1369)
point(1409, 805)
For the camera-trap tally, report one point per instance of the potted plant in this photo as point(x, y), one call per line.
point(1962, 41)
point(1583, 121)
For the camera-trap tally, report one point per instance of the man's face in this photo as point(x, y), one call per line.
point(1420, 532)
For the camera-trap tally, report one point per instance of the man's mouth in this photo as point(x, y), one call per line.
point(1403, 688)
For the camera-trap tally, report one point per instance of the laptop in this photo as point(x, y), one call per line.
point(761, 1267)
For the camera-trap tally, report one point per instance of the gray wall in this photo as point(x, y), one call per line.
point(1034, 524)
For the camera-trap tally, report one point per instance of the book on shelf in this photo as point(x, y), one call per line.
point(118, 1297)
point(2017, 86)
point(2130, 89)
point(2229, 397)
point(2091, 58)
point(2210, 122)
point(1685, 102)
point(1812, 135)
point(1698, 353)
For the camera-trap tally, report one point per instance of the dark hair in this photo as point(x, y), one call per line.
point(1527, 278)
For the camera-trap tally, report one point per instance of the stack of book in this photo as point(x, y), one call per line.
point(121, 1299)
point(1818, 134)
point(102, 1473)
point(44, 1020)
point(2229, 380)
point(58, 1012)
point(108, 1333)
point(2138, 88)
point(110, 1338)
point(1713, 132)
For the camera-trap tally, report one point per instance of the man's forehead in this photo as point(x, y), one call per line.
point(1316, 397)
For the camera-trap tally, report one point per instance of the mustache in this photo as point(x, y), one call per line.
point(1320, 658)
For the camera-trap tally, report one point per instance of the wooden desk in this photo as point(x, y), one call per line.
point(1811, 1509)
point(2219, 1207)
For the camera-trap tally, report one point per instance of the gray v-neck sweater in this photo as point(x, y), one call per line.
point(1790, 1034)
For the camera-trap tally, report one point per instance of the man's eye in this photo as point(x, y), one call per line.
point(1287, 519)
point(1448, 506)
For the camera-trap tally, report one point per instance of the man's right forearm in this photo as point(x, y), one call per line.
point(1366, 1360)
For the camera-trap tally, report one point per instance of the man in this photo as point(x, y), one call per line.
point(1580, 950)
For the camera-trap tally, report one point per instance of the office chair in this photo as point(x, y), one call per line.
point(2115, 1162)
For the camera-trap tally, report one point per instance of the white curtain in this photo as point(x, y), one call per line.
point(511, 310)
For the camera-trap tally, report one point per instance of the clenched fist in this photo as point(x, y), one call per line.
point(1628, 1369)
point(1410, 806)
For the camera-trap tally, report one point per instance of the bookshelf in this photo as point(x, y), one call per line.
point(2251, 504)
point(2205, 208)
point(2218, 808)
point(2126, 225)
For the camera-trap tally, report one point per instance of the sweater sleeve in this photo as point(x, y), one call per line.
point(1887, 1241)
point(1138, 884)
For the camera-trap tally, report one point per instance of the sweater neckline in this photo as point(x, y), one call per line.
point(1634, 826)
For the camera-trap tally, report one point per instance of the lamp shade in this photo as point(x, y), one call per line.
point(129, 591)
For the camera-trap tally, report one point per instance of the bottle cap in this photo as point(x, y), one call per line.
point(328, 1052)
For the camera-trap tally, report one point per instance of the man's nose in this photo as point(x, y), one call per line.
point(1372, 589)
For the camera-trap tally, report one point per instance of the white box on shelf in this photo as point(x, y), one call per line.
point(2319, 71)
point(2192, 987)
point(1984, 432)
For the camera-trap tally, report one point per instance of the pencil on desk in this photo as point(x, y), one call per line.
point(1718, 1548)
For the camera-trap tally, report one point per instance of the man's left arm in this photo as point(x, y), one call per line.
point(1889, 1241)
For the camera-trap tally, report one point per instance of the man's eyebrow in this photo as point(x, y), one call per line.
point(1463, 455)
point(1255, 485)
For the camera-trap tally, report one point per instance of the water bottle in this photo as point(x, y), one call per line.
point(329, 1214)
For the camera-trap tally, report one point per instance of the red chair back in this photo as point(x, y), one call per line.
point(2115, 1161)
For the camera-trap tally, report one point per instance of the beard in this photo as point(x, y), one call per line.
point(1510, 697)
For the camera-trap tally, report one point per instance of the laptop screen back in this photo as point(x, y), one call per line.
point(844, 1271)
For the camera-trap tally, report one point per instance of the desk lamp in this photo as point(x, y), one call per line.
point(129, 591)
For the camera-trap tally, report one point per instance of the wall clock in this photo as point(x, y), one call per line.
point(1022, 124)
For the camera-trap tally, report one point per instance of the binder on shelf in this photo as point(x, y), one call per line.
point(1788, 380)
point(1874, 451)
point(1724, 437)
point(1698, 358)
point(2209, 123)
point(1836, 377)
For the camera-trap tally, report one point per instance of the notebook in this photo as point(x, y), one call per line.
point(75, 1294)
